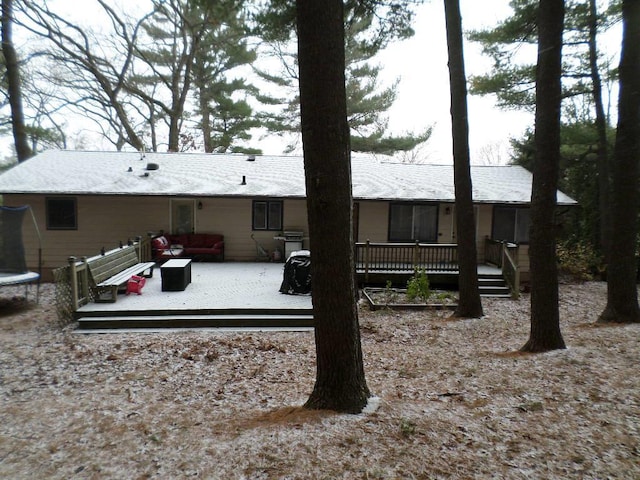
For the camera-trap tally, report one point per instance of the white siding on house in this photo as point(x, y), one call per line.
point(446, 223)
point(374, 222)
point(230, 217)
point(523, 262)
point(102, 222)
point(485, 217)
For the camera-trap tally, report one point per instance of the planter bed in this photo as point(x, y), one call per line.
point(396, 299)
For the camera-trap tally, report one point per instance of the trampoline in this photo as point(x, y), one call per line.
point(13, 265)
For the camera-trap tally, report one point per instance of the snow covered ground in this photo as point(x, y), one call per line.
point(454, 399)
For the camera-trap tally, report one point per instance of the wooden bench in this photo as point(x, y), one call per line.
point(114, 269)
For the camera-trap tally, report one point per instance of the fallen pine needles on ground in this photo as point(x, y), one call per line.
point(454, 400)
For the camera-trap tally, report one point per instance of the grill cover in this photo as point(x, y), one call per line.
point(297, 275)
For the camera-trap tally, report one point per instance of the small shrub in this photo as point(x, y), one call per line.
point(407, 427)
point(580, 261)
point(389, 293)
point(418, 286)
point(445, 296)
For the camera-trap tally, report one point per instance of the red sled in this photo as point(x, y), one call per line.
point(135, 284)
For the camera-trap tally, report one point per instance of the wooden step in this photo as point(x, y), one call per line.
point(491, 282)
point(495, 294)
point(194, 321)
point(493, 286)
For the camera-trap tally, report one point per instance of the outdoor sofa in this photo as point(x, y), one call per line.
point(199, 246)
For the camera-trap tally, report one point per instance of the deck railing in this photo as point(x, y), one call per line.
point(505, 256)
point(73, 281)
point(493, 251)
point(433, 257)
point(405, 257)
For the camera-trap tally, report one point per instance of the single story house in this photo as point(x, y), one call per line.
point(84, 201)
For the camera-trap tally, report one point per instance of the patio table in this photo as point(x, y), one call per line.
point(176, 274)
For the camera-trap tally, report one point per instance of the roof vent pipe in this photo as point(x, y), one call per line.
point(152, 166)
point(244, 180)
point(251, 158)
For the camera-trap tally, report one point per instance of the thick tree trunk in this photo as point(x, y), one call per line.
point(469, 304)
point(340, 381)
point(174, 134)
point(604, 238)
point(205, 112)
point(622, 290)
point(14, 87)
point(545, 317)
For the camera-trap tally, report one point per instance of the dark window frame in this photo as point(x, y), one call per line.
point(64, 220)
point(268, 216)
point(431, 205)
point(514, 237)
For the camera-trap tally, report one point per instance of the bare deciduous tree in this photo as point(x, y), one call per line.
point(14, 85)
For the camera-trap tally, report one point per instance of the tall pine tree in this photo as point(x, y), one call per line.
point(340, 381)
point(469, 304)
point(622, 290)
point(545, 316)
point(369, 27)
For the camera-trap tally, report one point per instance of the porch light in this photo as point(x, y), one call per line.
point(447, 211)
point(200, 205)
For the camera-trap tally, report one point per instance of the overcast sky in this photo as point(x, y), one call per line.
point(423, 92)
point(420, 64)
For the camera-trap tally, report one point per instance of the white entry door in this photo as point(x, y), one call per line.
point(182, 216)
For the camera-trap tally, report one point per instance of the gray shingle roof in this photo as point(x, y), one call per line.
point(197, 174)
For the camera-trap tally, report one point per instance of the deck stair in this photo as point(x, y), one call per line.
point(228, 318)
point(493, 285)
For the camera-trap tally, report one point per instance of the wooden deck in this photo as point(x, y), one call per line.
point(221, 296)
point(230, 295)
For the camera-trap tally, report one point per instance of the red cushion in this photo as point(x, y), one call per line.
point(200, 241)
point(179, 239)
point(160, 243)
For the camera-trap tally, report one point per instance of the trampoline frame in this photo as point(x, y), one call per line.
point(28, 277)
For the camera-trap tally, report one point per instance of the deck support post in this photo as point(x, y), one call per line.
point(84, 280)
point(73, 279)
point(366, 262)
